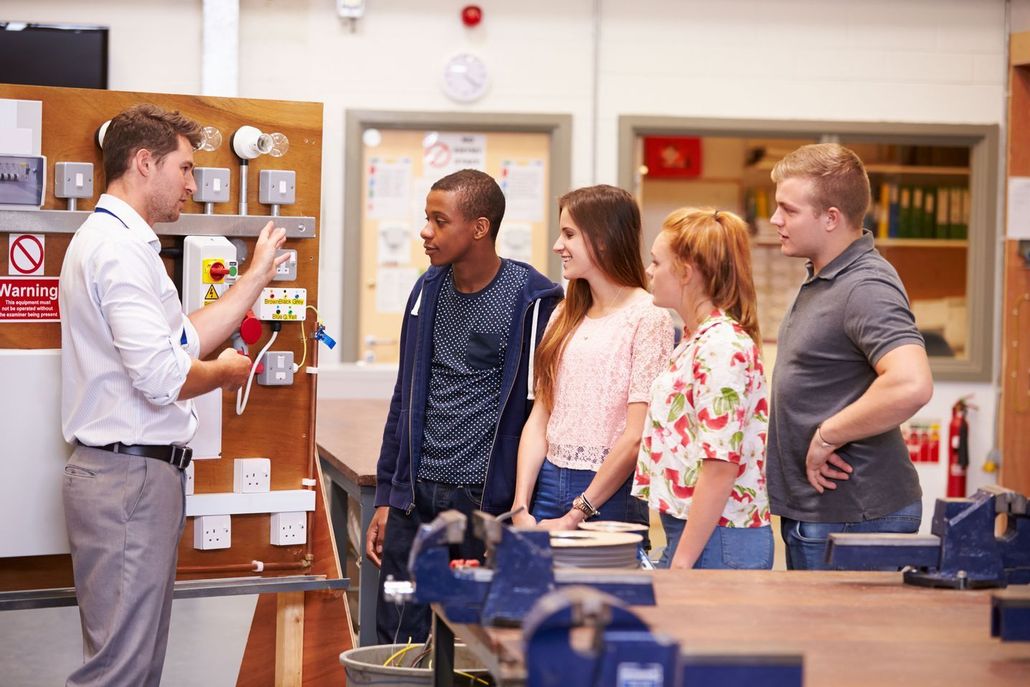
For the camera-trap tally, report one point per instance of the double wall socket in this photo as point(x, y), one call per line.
point(289, 529)
point(212, 532)
point(251, 475)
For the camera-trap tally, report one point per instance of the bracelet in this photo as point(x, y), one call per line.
point(819, 435)
point(582, 504)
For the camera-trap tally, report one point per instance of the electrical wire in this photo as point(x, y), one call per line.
point(243, 397)
point(304, 339)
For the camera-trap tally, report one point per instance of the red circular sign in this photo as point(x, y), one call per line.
point(26, 254)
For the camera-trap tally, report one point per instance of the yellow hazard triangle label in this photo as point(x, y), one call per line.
point(211, 294)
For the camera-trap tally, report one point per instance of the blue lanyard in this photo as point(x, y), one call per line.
point(108, 212)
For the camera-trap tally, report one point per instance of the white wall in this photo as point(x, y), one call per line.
point(938, 61)
point(935, 61)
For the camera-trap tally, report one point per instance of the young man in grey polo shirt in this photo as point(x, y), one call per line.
point(850, 366)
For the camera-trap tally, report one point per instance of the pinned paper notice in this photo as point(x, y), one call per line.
point(1019, 208)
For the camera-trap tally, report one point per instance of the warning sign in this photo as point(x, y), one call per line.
point(25, 257)
point(211, 295)
point(29, 299)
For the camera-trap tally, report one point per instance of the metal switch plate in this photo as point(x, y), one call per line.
point(278, 369)
point(212, 184)
point(288, 270)
point(73, 180)
point(277, 187)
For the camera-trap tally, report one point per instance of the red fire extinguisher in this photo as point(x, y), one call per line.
point(958, 449)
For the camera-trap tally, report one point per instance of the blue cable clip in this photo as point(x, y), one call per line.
point(323, 337)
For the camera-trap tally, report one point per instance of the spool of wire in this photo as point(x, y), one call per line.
point(595, 549)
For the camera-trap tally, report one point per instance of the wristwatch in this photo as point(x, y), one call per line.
point(581, 503)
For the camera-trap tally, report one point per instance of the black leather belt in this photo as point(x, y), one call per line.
point(179, 456)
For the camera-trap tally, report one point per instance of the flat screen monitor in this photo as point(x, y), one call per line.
point(53, 54)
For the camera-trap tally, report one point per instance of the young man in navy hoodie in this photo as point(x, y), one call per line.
point(464, 385)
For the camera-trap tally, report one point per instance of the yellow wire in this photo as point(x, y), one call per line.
point(400, 652)
point(304, 339)
point(471, 677)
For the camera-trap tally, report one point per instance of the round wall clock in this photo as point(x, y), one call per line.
point(465, 78)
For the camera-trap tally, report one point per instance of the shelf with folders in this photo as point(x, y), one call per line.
point(930, 212)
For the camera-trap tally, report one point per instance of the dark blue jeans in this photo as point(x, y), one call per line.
point(729, 548)
point(557, 487)
point(396, 623)
point(806, 541)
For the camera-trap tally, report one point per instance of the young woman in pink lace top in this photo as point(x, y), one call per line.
point(602, 349)
point(702, 459)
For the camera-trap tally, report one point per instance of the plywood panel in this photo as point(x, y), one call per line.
point(1014, 434)
point(279, 421)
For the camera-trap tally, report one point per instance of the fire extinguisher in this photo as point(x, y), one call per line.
point(958, 449)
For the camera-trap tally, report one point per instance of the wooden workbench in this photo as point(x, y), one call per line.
point(851, 628)
point(348, 434)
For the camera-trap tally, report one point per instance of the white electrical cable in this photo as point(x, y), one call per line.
point(241, 397)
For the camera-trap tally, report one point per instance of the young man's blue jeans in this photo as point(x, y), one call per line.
point(806, 541)
point(411, 620)
point(729, 548)
point(557, 487)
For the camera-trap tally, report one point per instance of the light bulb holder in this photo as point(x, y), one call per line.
point(101, 132)
point(250, 142)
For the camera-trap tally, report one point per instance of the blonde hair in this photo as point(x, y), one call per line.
point(610, 221)
point(838, 178)
point(715, 243)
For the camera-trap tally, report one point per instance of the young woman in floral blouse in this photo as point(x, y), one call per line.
point(602, 349)
point(702, 457)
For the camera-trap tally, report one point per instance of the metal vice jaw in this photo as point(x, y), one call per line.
point(520, 570)
point(579, 637)
point(962, 552)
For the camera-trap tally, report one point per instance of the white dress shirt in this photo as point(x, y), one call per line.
point(126, 344)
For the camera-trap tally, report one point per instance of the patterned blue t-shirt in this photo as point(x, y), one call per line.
point(470, 339)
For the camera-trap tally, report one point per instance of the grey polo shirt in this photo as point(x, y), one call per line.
point(842, 322)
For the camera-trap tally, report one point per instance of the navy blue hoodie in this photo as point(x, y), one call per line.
point(402, 438)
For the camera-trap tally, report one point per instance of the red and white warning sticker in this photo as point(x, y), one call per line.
point(25, 255)
point(29, 299)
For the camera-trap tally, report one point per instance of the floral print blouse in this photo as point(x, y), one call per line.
point(710, 403)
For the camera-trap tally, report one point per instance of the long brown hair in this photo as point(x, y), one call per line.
point(609, 219)
point(715, 242)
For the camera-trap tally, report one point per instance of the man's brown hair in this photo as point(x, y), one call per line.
point(147, 127)
point(838, 178)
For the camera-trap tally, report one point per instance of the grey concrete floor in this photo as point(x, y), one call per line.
point(39, 648)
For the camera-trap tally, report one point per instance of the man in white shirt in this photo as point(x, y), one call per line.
point(131, 360)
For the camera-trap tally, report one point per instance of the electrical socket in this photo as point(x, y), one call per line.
point(212, 532)
point(189, 478)
point(251, 475)
point(288, 270)
point(289, 529)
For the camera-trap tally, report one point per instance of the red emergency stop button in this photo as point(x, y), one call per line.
point(218, 271)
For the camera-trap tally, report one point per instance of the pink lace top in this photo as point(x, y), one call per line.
point(608, 363)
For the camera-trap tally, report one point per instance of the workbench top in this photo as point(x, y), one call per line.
point(851, 628)
point(349, 433)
